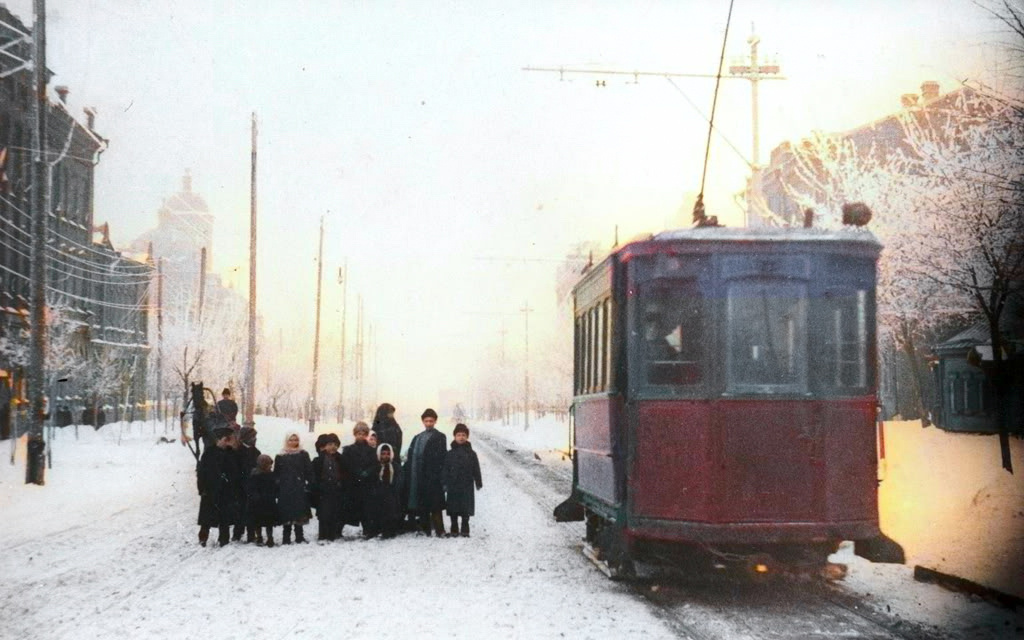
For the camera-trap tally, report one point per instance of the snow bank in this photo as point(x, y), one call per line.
point(946, 499)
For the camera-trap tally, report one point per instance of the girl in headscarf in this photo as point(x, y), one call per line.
point(294, 471)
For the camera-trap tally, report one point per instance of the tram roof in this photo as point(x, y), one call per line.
point(768, 234)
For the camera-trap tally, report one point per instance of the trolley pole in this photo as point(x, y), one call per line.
point(249, 401)
point(35, 469)
point(526, 387)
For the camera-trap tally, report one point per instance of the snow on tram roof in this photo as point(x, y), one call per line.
point(759, 234)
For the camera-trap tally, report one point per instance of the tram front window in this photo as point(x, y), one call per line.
point(766, 338)
point(672, 324)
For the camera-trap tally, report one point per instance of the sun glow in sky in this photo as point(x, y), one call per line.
point(412, 128)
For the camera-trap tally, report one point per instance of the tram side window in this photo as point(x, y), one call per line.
point(766, 337)
point(672, 321)
point(842, 323)
point(593, 348)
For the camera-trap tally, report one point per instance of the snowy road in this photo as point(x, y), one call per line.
point(130, 566)
point(108, 549)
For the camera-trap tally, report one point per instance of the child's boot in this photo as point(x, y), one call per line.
point(299, 538)
point(465, 526)
point(286, 537)
point(270, 536)
point(204, 535)
point(455, 526)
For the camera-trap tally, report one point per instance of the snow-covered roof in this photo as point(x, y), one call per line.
point(768, 234)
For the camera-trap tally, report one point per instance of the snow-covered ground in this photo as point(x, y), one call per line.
point(108, 548)
point(947, 500)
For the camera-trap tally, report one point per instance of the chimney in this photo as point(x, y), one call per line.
point(908, 100)
point(62, 93)
point(90, 118)
point(929, 90)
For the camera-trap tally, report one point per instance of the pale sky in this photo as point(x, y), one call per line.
point(412, 127)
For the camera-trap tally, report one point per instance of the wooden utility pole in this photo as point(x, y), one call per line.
point(359, 360)
point(526, 387)
point(159, 335)
point(316, 334)
point(343, 280)
point(249, 400)
point(35, 470)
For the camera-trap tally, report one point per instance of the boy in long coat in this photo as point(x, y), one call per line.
point(247, 453)
point(383, 496)
point(423, 463)
point(360, 460)
point(461, 473)
point(221, 489)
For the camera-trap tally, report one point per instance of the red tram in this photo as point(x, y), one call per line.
point(724, 401)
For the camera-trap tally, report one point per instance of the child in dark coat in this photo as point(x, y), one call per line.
point(360, 460)
point(248, 453)
point(384, 496)
point(220, 482)
point(262, 492)
point(294, 471)
point(461, 472)
point(329, 480)
point(424, 462)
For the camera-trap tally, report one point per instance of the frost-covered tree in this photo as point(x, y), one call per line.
point(827, 171)
point(973, 235)
point(947, 193)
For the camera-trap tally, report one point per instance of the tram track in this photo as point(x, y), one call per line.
point(707, 607)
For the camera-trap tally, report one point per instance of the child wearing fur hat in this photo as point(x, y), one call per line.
point(220, 482)
point(247, 453)
point(261, 492)
point(384, 496)
point(461, 472)
point(328, 489)
point(360, 460)
point(294, 471)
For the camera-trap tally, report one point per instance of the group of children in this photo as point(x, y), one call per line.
point(362, 484)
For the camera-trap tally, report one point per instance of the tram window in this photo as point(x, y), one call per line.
point(766, 338)
point(842, 323)
point(672, 325)
point(606, 341)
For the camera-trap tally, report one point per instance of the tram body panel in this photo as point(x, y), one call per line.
point(736, 389)
point(850, 448)
point(596, 474)
point(672, 461)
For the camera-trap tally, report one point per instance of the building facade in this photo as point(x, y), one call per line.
point(97, 298)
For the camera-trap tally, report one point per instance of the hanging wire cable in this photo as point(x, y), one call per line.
point(698, 207)
point(701, 114)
